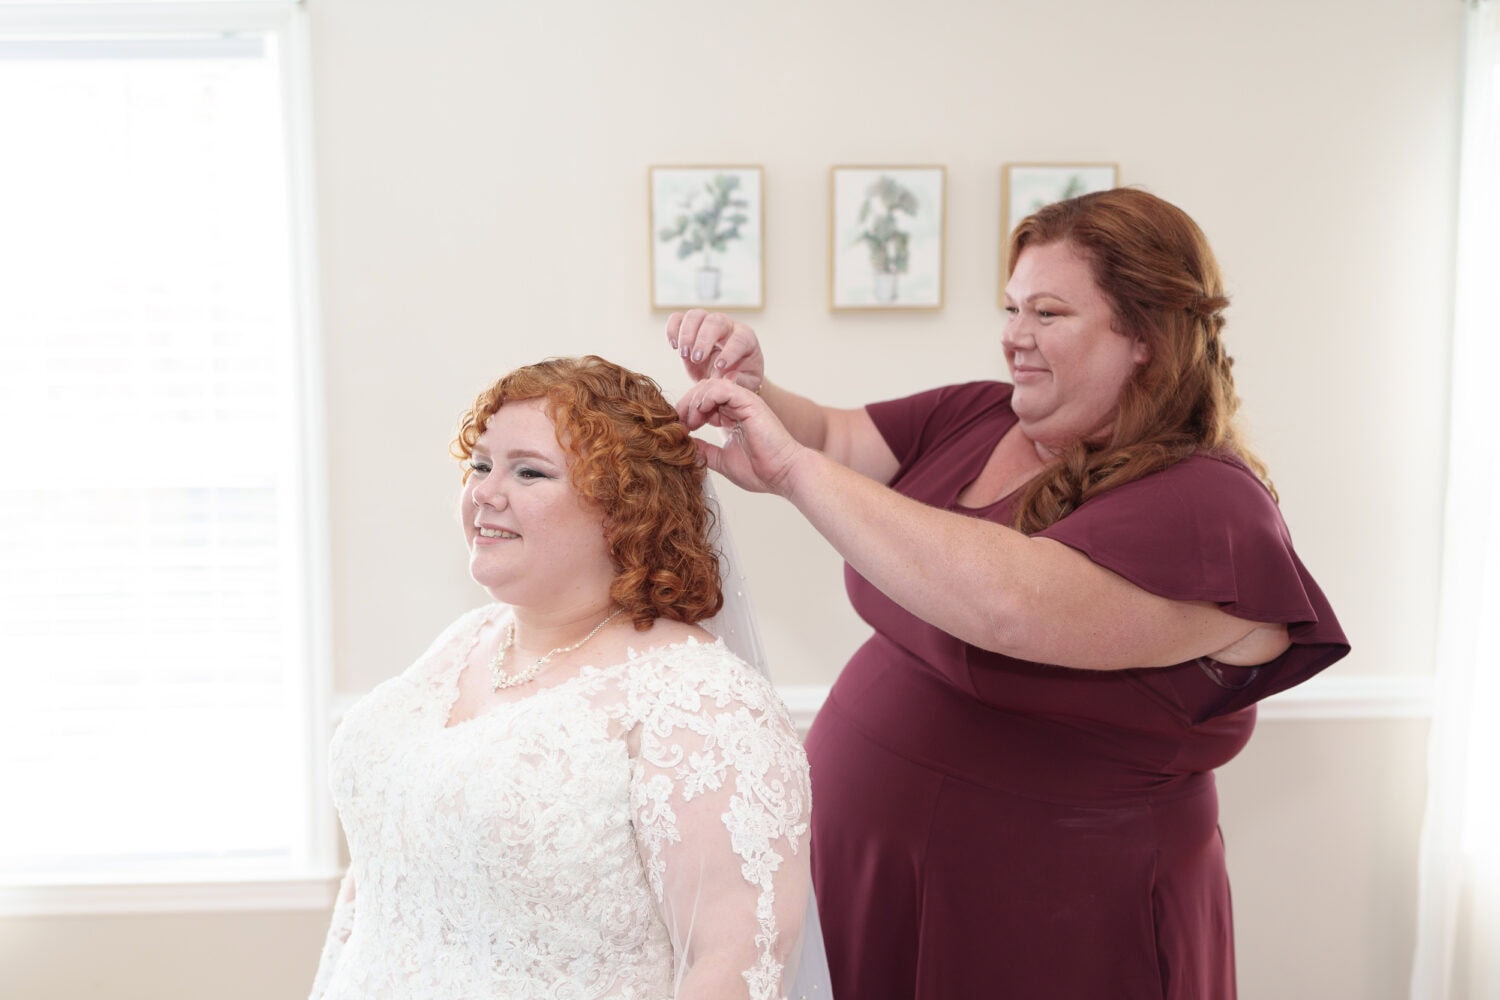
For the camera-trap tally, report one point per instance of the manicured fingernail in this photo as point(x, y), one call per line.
point(719, 363)
point(697, 356)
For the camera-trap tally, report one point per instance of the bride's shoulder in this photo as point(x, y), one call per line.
point(678, 661)
point(664, 633)
point(696, 684)
point(677, 646)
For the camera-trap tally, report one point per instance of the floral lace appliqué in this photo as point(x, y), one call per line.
point(593, 840)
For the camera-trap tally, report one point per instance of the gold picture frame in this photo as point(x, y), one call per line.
point(707, 236)
point(886, 233)
point(1026, 187)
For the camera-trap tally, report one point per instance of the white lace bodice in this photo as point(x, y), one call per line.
point(635, 831)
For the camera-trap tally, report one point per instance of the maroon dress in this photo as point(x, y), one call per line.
point(992, 827)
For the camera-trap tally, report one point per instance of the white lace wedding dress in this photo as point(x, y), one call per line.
point(638, 830)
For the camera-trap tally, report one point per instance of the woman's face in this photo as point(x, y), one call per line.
point(1066, 361)
point(533, 541)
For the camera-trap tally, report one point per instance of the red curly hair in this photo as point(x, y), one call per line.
point(631, 457)
point(1156, 268)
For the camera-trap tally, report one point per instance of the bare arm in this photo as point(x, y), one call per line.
point(993, 587)
point(848, 437)
point(713, 345)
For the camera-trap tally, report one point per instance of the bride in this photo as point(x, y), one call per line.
point(577, 791)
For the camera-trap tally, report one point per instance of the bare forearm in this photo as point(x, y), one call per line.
point(804, 419)
point(953, 572)
point(848, 437)
point(716, 348)
point(995, 588)
point(1027, 597)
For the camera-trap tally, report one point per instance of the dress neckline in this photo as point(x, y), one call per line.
point(448, 691)
point(1009, 423)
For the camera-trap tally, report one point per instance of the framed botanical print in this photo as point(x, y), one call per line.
point(1026, 187)
point(707, 237)
point(886, 237)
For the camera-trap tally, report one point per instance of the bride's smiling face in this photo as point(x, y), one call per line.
point(533, 541)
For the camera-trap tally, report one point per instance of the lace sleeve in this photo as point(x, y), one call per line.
point(338, 934)
point(721, 802)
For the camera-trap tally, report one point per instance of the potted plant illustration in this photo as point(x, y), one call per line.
point(709, 221)
point(1072, 189)
point(888, 243)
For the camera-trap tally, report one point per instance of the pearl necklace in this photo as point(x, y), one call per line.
point(501, 680)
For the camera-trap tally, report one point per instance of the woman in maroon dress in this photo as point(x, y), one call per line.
point(1080, 585)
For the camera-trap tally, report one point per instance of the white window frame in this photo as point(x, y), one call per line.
point(308, 880)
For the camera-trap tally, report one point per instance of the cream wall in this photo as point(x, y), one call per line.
point(482, 196)
point(481, 190)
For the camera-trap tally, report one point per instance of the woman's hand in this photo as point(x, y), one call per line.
point(758, 452)
point(715, 348)
point(713, 345)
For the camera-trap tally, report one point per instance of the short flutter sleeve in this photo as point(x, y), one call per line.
point(1206, 529)
point(915, 427)
point(721, 803)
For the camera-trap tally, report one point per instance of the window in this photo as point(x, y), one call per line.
point(161, 606)
point(1458, 906)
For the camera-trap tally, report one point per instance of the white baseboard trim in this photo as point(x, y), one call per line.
point(1353, 697)
point(803, 702)
point(1323, 697)
point(228, 895)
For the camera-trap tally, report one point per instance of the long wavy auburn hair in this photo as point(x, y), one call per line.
point(631, 457)
point(1155, 267)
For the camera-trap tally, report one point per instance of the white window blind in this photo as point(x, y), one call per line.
point(160, 667)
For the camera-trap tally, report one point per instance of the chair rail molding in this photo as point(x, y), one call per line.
point(1368, 696)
